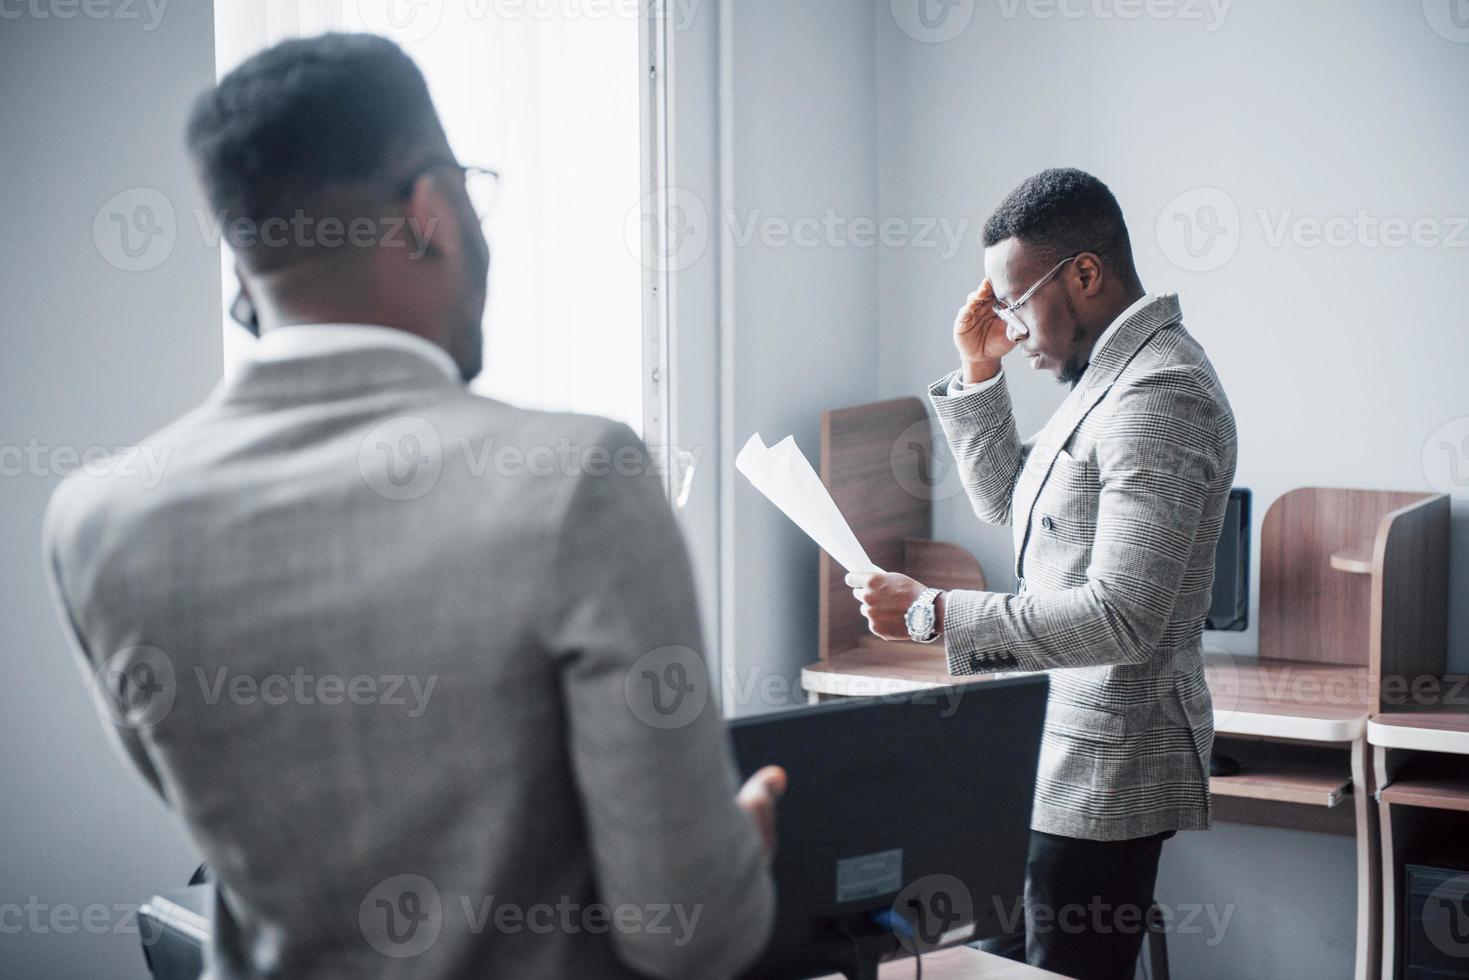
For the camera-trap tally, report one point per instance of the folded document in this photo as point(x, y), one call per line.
point(783, 474)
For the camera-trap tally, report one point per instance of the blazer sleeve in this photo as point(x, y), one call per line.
point(1157, 460)
point(649, 751)
point(980, 429)
point(56, 534)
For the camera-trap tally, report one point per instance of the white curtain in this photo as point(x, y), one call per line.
point(547, 93)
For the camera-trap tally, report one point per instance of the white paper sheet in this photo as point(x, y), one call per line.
point(784, 475)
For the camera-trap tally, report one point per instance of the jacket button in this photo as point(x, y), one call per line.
point(1047, 523)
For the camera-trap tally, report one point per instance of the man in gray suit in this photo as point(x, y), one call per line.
point(396, 653)
point(1116, 505)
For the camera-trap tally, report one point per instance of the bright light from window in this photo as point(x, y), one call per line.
point(546, 93)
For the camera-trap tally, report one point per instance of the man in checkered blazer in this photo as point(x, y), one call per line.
point(1116, 506)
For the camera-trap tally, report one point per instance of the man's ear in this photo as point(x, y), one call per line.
point(432, 219)
point(1089, 272)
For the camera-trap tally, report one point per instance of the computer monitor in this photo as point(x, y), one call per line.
point(1229, 608)
point(906, 823)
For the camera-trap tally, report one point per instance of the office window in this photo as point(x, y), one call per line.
point(548, 95)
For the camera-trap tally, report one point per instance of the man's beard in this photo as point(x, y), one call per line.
point(1076, 364)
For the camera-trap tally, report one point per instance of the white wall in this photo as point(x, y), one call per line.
point(94, 356)
point(802, 329)
point(1341, 362)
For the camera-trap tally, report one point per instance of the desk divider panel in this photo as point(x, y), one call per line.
point(1410, 596)
point(1313, 605)
point(875, 460)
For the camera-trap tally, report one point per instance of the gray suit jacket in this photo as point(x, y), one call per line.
point(1117, 505)
point(380, 643)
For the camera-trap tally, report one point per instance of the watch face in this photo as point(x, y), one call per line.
point(920, 620)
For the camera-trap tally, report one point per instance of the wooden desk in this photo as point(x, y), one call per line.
point(961, 963)
point(1421, 756)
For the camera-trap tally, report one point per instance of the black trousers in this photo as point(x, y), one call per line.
point(1086, 905)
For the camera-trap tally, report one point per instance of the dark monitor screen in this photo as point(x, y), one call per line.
point(1230, 608)
point(905, 825)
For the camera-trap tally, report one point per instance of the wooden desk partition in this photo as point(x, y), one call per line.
point(1352, 582)
point(1345, 578)
point(877, 460)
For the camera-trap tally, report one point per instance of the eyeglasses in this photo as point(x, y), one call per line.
point(481, 184)
point(1011, 313)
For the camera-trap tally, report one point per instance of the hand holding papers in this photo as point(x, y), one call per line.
point(784, 475)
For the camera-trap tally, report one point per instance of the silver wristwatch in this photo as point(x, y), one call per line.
point(921, 618)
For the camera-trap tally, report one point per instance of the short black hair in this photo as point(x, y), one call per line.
point(305, 120)
point(1064, 211)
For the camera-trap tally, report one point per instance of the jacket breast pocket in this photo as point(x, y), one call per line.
point(1066, 510)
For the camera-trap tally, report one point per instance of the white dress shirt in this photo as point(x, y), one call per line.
point(958, 387)
point(315, 339)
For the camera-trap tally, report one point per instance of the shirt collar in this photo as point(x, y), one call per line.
point(316, 339)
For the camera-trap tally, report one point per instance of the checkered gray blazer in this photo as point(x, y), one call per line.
point(1116, 504)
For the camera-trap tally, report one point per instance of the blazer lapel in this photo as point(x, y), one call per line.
point(1108, 363)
